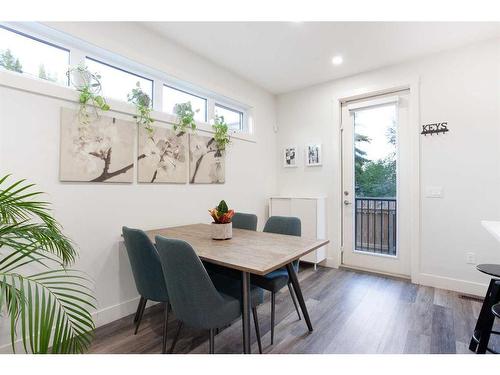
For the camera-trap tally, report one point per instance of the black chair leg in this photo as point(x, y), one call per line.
point(211, 334)
point(273, 315)
point(257, 328)
point(165, 328)
point(292, 294)
point(179, 327)
point(140, 310)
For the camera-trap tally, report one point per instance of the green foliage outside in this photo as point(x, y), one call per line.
point(10, 62)
point(375, 178)
point(43, 74)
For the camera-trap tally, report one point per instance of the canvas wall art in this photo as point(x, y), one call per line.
point(313, 155)
point(290, 156)
point(102, 151)
point(162, 156)
point(206, 163)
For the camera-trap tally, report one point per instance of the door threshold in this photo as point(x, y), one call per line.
point(375, 272)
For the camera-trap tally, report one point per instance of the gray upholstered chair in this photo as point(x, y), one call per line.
point(148, 275)
point(277, 279)
point(245, 221)
point(194, 299)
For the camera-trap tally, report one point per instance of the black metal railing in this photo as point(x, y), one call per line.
point(375, 225)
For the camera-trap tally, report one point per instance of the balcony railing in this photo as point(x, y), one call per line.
point(375, 225)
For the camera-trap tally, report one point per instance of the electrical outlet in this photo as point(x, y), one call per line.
point(470, 258)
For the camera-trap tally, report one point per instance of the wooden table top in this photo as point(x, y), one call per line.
point(255, 252)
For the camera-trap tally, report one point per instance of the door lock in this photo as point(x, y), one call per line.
point(346, 202)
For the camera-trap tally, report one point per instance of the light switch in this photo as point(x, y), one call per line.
point(433, 192)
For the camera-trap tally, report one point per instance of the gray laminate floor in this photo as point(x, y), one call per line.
point(352, 312)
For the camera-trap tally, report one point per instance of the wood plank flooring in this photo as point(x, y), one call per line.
point(351, 312)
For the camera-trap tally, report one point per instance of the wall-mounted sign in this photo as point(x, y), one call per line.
point(435, 128)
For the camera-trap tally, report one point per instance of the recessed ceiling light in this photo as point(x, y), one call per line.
point(337, 60)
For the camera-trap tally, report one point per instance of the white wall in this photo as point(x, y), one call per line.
point(93, 214)
point(460, 86)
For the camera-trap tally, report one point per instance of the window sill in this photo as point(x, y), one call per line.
point(52, 90)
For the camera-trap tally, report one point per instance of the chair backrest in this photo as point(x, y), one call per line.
point(283, 225)
point(245, 221)
point(146, 266)
point(192, 294)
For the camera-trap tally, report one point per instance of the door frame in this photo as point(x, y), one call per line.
point(412, 84)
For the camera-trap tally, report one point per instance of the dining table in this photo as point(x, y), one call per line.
point(251, 253)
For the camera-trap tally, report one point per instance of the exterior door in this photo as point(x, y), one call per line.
point(375, 161)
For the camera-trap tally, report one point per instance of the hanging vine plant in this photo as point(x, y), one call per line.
point(221, 136)
point(142, 103)
point(185, 118)
point(89, 86)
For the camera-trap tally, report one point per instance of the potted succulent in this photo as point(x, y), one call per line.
point(222, 227)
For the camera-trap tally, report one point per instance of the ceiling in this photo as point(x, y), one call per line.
point(284, 56)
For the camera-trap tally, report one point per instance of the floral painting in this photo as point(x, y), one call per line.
point(162, 156)
point(206, 163)
point(101, 151)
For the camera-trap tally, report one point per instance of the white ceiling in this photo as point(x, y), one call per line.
point(283, 56)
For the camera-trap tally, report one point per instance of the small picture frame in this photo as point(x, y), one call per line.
point(313, 155)
point(290, 154)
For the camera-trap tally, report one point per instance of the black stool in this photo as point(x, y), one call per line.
point(484, 325)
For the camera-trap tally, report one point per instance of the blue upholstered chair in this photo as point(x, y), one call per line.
point(277, 279)
point(148, 275)
point(193, 296)
point(245, 221)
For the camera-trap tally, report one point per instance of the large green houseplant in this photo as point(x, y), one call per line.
point(47, 305)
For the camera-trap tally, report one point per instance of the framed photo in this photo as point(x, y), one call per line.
point(290, 157)
point(313, 155)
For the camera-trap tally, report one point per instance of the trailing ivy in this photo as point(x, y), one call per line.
point(185, 117)
point(89, 86)
point(221, 136)
point(142, 103)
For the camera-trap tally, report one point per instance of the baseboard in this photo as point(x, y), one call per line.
point(456, 285)
point(115, 312)
point(329, 262)
point(367, 270)
point(101, 317)
point(441, 282)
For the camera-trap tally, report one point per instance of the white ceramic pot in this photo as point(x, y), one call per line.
point(222, 231)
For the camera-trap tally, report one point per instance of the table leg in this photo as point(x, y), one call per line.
point(295, 282)
point(485, 320)
point(246, 304)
